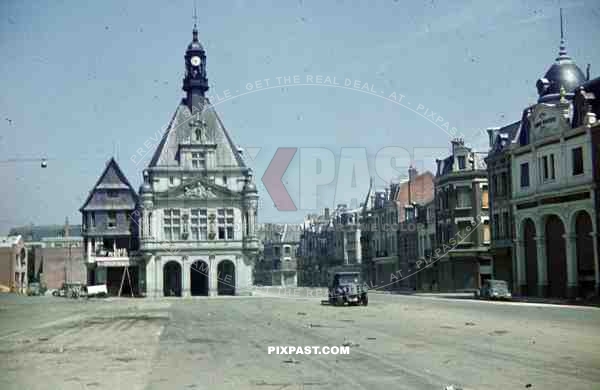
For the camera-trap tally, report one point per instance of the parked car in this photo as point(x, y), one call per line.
point(71, 290)
point(495, 289)
point(346, 287)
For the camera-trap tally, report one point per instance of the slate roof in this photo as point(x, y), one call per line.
point(38, 233)
point(179, 132)
point(114, 179)
point(504, 136)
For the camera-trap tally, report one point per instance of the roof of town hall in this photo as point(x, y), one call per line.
point(112, 178)
point(180, 131)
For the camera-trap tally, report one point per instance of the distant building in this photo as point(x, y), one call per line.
point(462, 219)
point(330, 242)
point(13, 264)
point(55, 254)
point(281, 245)
point(390, 232)
point(110, 233)
point(426, 267)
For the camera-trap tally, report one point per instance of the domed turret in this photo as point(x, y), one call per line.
point(564, 73)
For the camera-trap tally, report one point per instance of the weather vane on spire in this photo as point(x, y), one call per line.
point(196, 15)
point(562, 52)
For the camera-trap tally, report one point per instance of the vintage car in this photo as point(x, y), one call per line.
point(71, 290)
point(347, 287)
point(494, 289)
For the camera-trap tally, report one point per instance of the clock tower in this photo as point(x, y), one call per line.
point(195, 83)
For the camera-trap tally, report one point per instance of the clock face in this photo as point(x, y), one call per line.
point(195, 61)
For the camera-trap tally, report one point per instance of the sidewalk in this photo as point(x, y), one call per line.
point(470, 296)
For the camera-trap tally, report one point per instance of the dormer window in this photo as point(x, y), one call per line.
point(198, 134)
point(461, 162)
point(112, 194)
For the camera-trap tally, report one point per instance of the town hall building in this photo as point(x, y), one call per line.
point(191, 229)
point(198, 201)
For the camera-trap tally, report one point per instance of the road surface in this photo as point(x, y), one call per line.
point(398, 342)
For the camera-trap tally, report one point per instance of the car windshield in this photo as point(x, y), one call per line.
point(498, 284)
point(349, 279)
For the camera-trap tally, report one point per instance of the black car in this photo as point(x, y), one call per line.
point(347, 287)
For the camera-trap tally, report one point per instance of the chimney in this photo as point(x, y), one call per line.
point(456, 142)
point(412, 174)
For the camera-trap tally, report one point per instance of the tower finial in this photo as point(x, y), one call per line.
point(562, 52)
point(195, 16)
point(195, 30)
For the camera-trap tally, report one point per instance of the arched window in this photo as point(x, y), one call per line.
point(198, 134)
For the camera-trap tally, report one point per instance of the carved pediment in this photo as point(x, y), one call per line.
point(197, 191)
point(201, 189)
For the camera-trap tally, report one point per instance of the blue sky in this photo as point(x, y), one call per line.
point(81, 81)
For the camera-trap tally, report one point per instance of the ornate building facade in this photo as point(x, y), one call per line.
point(198, 201)
point(554, 166)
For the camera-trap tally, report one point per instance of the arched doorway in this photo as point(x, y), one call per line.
point(172, 279)
point(584, 253)
point(556, 255)
point(199, 278)
point(530, 249)
point(226, 278)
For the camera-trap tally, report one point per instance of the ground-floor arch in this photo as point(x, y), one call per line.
point(584, 250)
point(172, 279)
point(199, 278)
point(226, 278)
point(556, 256)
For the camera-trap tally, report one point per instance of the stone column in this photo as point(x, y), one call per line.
point(185, 277)
point(542, 266)
point(572, 275)
point(89, 249)
point(596, 262)
point(518, 259)
point(212, 276)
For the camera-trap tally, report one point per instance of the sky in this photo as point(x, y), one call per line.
point(84, 81)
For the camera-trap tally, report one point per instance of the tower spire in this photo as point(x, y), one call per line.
point(562, 52)
point(195, 30)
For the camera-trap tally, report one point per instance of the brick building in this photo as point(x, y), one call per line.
point(13, 264)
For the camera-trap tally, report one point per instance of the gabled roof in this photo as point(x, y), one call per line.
point(111, 178)
point(180, 132)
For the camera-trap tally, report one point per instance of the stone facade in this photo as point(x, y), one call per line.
point(462, 220)
point(280, 253)
point(199, 203)
point(501, 216)
point(554, 202)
